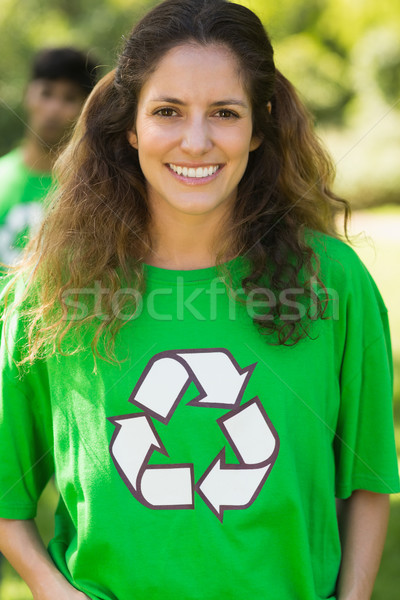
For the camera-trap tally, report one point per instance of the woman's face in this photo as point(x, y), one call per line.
point(193, 131)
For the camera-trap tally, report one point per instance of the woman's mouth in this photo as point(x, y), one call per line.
point(193, 175)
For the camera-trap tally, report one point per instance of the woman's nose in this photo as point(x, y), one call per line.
point(196, 139)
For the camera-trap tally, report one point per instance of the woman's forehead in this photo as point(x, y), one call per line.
point(193, 67)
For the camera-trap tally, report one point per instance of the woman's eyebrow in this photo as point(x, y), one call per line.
point(227, 101)
point(168, 100)
point(231, 101)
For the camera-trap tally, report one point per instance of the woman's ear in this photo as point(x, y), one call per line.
point(132, 139)
point(255, 142)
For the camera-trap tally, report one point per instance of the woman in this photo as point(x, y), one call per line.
point(203, 364)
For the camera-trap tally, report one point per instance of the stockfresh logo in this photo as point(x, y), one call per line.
point(221, 383)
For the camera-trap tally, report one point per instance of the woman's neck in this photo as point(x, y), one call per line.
point(184, 242)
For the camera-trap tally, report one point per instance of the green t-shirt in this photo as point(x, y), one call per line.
point(21, 196)
point(206, 465)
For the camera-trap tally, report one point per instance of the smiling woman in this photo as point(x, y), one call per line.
point(189, 346)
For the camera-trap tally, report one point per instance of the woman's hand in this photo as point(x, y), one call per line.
point(22, 546)
point(363, 520)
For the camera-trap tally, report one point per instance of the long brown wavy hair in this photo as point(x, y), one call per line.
point(97, 225)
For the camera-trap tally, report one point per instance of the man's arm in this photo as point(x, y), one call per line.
point(22, 546)
point(363, 520)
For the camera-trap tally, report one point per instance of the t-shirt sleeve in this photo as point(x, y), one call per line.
point(364, 445)
point(26, 447)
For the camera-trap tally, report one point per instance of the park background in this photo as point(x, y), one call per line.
point(344, 58)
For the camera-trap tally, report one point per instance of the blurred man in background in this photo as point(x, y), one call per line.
point(61, 80)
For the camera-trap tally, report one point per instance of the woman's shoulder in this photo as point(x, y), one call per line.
point(335, 255)
point(328, 247)
point(341, 267)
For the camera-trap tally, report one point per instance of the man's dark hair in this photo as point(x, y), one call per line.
point(65, 63)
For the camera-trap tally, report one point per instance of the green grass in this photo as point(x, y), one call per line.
point(382, 259)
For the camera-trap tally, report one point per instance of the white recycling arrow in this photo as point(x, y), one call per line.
point(219, 375)
point(231, 487)
point(168, 486)
point(219, 379)
point(250, 433)
point(161, 386)
point(256, 444)
point(161, 486)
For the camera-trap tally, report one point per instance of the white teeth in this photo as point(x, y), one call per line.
point(192, 172)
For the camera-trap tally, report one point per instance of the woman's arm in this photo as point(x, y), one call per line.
point(22, 546)
point(363, 520)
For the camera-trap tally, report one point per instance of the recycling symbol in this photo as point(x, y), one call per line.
point(221, 383)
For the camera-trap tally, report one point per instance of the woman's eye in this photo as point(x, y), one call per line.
point(224, 113)
point(166, 112)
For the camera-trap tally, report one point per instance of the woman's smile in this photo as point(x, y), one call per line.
point(194, 174)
